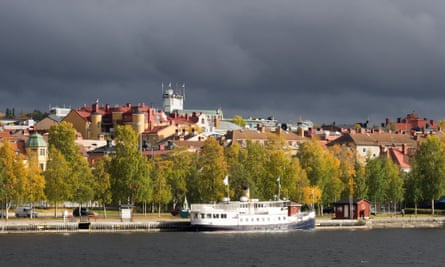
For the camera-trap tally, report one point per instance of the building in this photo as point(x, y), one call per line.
point(37, 146)
point(361, 209)
point(412, 122)
point(262, 136)
point(172, 101)
point(95, 121)
point(372, 144)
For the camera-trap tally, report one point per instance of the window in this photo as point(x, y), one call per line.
point(42, 152)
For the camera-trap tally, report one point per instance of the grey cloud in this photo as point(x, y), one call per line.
point(340, 60)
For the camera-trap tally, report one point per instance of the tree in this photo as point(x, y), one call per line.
point(20, 173)
point(212, 172)
point(57, 178)
point(37, 115)
point(322, 169)
point(347, 170)
point(62, 137)
point(102, 185)
point(394, 191)
point(129, 170)
point(276, 178)
point(183, 162)
point(9, 180)
point(413, 192)
point(312, 195)
point(429, 169)
point(236, 169)
point(254, 161)
point(297, 181)
point(82, 181)
point(238, 120)
point(361, 188)
point(376, 180)
point(35, 181)
point(161, 174)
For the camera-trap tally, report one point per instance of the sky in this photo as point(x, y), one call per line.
point(342, 61)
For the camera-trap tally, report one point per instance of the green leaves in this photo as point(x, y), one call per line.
point(429, 169)
point(129, 168)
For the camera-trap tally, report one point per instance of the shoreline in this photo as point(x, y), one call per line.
point(174, 224)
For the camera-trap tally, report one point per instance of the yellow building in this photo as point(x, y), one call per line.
point(37, 146)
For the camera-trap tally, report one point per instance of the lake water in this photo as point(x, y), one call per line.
point(386, 247)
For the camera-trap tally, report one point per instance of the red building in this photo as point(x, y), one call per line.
point(360, 209)
point(412, 122)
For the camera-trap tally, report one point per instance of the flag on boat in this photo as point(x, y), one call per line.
point(226, 180)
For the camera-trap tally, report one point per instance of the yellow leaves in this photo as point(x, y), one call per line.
point(312, 195)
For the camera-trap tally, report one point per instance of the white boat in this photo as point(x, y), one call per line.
point(251, 215)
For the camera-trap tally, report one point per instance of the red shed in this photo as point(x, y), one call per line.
point(360, 209)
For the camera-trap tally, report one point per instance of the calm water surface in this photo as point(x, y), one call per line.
point(389, 247)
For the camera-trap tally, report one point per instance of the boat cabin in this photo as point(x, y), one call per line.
point(360, 209)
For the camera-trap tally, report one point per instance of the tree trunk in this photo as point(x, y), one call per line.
point(432, 206)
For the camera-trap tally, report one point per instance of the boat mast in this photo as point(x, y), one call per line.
point(226, 183)
point(279, 187)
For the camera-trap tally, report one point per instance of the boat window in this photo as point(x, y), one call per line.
point(224, 216)
point(209, 215)
point(215, 216)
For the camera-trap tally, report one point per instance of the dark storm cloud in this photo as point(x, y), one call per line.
point(342, 60)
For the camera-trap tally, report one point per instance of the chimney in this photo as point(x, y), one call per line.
point(217, 121)
point(107, 108)
point(405, 149)
point(260, 128)
point(95, 106)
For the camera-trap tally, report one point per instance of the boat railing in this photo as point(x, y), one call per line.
point(219, 206)
point(239, 205)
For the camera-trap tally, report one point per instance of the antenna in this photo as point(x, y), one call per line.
point(183, 91)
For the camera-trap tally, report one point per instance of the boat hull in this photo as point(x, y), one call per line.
point(307, 224)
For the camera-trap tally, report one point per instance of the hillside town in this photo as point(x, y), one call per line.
point(159, 131)
point(173, 126)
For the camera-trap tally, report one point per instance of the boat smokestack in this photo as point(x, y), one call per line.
point(246, 194)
